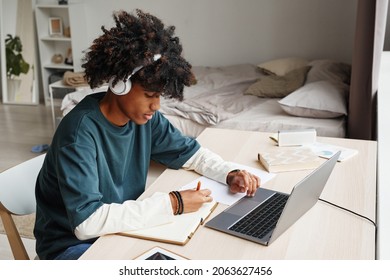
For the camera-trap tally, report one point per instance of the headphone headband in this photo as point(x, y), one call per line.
point(124, 87)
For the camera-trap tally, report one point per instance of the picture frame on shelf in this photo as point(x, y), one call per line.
point(55, 26)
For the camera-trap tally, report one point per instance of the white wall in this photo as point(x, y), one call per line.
point(221, 32)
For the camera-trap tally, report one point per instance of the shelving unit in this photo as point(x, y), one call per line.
point(71, 16)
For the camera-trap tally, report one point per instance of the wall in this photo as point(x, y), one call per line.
point(221, 32)
point(383, 208)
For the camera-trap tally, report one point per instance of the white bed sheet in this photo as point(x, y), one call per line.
point(265, 116)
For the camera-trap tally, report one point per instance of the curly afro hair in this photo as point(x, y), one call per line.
point(133, 42)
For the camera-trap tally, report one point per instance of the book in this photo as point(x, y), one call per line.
point(281, 159)
point(180, 230)
point(296, 137)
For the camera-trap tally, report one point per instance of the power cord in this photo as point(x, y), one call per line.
point(345, 209)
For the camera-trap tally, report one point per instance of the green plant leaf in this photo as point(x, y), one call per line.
point(15, 62)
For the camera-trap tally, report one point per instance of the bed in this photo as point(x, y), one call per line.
point(282, 94)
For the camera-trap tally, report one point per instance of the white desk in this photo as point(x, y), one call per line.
point(325, 232)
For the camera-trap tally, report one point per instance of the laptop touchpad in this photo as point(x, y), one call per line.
point(243, 207)
point(246, 204)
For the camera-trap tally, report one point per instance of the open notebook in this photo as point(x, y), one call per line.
point(179, 231)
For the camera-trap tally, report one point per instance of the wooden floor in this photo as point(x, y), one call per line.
point(22, 127)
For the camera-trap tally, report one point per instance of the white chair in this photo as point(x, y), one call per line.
point(17, 197)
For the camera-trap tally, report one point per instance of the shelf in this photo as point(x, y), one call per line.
point(52, 6)
point(60, 84)
point(58, 66)
point(52, 38)
point(72, 17)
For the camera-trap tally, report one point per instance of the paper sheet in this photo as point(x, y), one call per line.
point(220, 192)
point(327, 151)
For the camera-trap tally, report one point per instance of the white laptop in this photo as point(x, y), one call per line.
point(264, 217)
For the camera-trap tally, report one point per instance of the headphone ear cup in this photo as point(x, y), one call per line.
point(121, 87)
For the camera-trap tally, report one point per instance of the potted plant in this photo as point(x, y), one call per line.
point(15, 63)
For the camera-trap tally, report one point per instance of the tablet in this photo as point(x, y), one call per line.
point(158, 253)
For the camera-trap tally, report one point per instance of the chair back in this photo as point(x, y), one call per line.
point(17, 197)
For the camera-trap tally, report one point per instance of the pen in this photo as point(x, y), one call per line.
point(198, 186)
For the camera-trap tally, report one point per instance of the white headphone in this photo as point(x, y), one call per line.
point(124, 87)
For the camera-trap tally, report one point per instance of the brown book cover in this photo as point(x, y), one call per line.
point(281, 159)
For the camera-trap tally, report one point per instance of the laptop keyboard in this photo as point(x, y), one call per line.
point(263, 218)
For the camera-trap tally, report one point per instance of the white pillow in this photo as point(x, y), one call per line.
point(282, 66)
point(320, 99)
